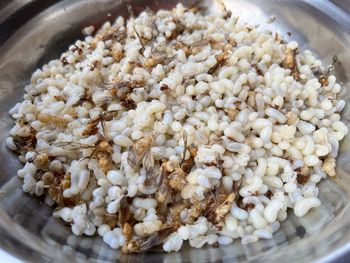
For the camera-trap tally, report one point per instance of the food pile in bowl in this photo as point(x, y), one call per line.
point(175, 126)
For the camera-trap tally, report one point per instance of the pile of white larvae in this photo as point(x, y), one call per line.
point(175, 126)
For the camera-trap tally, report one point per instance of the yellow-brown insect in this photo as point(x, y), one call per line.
point(94, 65)
point(323, 80)
point(187, 165)
point(197, 7)
point(191, 49)
point(177, 179)
point(48, 178)
point(290, 62)
point(158, 56)
point(121, 90)
point(179, 29)
point(117, 55)
point(138, 151)
point(78, 49)
point(64, 61)
point(323, 76)
point(127, 230)
point(113, 32)
point(102, 149)
point(232, 113)
point(251, 99)
point(52, 119)
point(111, 220)
point(163, 194)
point(278, 39)
point(142, 245)
point(196, 209)
point(42, 159)
point(25, 144)
point(105, 164)
point(220, 61)
point(175, 212)
point(56, 192)
point(59, 98)
point(221, 209)
point(227, 13)
point(91, 127)
point(219, 204)
point(292, 118)
point(128, 104)
point(132, 246)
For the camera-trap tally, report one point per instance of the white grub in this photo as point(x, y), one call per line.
point(177, 107)
point(305, 204)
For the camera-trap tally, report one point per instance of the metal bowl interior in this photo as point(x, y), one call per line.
point(33, 32)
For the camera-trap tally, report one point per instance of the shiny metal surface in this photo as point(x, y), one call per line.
point(32, 32)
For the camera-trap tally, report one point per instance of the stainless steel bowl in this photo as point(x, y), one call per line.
point(32, 32)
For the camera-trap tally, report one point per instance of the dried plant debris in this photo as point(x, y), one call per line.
point(175, 126)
